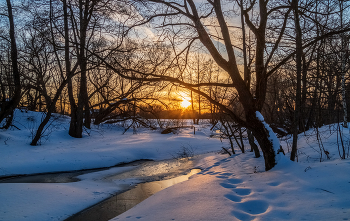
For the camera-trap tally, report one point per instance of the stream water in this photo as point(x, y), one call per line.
point(122, 202)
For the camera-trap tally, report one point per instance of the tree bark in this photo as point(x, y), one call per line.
point(262, 135)
point(8, 106)
point(253, 146)
point(299, 52)
point(81, 110)
point(343, 67)
point(83, 63)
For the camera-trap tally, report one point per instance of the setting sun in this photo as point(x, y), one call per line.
point(185, 103)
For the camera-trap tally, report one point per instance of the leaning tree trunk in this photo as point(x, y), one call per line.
point(50, 110)
point(264, 135)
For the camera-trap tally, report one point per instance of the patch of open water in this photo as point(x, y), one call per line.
point(122, 202)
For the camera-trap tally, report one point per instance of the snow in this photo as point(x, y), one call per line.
point(281, 160)
point(227, 188)
point(230, 190)
point(272, 136)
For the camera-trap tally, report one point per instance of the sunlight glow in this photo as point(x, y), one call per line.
point(185, 103)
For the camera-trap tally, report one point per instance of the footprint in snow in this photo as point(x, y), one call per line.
point(274, 183)
point(253, 207)
point(233, 198)
point(227, 185)
point(209, 168)
point(224, 175)
point(242, 216)
point(206, 171)
point(242, 191)
point(234, 181)
point(216, 164)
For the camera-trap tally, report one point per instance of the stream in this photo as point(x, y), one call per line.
point(153, 176)
point(117, 204)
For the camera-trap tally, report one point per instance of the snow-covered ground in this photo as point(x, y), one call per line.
point(228, 188)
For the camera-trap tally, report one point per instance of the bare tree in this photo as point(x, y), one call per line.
point(191, 21)
point(251, 103)
point(8, 105)
point(344, 46)
point(69, 72)
point(298, 54)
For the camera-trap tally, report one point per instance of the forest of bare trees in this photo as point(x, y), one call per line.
point(108, 60)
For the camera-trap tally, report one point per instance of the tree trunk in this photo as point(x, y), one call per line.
point(299, 52)
point(73, 127)
point(7, 107)
point(82, 109)
point(73, 119)
point(83, 80)
point(50, 110)
point(343, 67)
point(199, 97)
point(262, 135)
point(253, 146)
point(193, 114)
